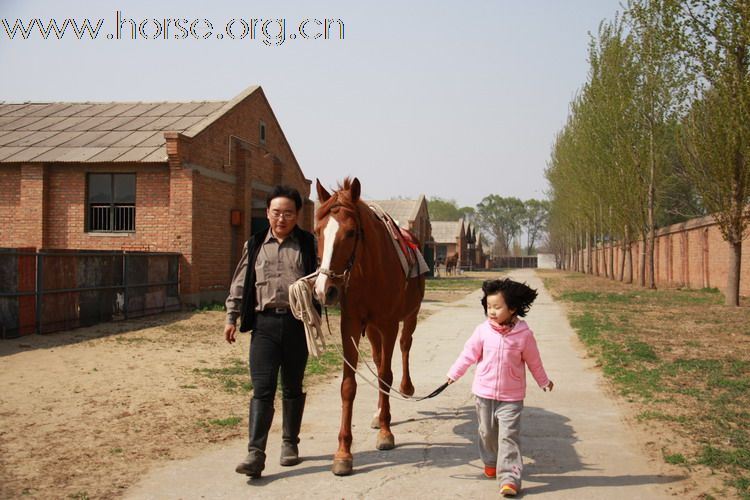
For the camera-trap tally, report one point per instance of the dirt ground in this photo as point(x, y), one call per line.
point(85, 413)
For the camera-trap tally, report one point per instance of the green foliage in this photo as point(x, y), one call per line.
point(502, 218)
point(534, 222)
point(446, 210)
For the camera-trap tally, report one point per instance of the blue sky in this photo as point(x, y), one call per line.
point(451, 99)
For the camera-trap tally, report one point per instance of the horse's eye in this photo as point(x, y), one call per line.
point(350, 233)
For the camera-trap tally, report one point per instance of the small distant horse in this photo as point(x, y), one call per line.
point(450, 264)
point(361, 270)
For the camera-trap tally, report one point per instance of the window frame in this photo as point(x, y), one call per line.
point(262, 132)
point(112, 206)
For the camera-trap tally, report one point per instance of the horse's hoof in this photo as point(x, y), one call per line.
point(385, 442)
point(407, 389)
point(342, 467)
point(375, 424)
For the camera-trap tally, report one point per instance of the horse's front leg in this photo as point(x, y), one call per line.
point(385, 440)
point(343, 460)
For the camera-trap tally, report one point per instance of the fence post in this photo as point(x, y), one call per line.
point(38, 291)
point(125, 284)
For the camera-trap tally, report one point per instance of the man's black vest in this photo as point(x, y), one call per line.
point(249, 298)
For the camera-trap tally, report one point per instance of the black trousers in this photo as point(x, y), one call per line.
point(278, 342)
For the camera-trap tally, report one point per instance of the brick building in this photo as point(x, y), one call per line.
point(186, 177)
point(412, 215)
point(474, 258)
point(450, 240)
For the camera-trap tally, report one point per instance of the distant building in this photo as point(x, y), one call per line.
point(410, 214)
point(187, 177)
point(450, 240)
point(546, 261)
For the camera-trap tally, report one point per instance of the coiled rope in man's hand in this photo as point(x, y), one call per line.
point(301, 305)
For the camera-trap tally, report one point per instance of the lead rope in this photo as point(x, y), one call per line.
point(301, 305)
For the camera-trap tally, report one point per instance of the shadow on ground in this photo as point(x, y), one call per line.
point(546, 462)
point(99, 331)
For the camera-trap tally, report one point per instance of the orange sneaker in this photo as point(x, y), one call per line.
point(508, 490)
point(490, 472)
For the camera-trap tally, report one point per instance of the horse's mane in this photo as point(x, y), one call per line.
point(341, 197)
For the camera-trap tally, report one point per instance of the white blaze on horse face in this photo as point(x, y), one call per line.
point(329, 236)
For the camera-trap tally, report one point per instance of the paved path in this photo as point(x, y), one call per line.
point(576, 444)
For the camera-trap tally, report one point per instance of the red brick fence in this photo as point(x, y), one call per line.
point(690, 254)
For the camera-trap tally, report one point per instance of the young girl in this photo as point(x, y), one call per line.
point(501, 347)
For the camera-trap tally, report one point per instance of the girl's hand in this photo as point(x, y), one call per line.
point(548, 386)
point(450, 381)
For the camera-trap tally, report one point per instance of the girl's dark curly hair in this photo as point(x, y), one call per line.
point(517, 296)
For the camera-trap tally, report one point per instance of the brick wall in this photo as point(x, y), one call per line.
point(65, 212)
point(182, 205)
point(10, 204)
point(22, 205)
point(691, 254)
point(231, 159)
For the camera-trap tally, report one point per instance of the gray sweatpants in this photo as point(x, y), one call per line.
point(500, 438)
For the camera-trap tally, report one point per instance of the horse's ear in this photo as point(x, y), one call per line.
point(356, 189)
point(323, 195)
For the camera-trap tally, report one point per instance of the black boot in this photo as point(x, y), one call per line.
point(292, 411)
point(261, 416)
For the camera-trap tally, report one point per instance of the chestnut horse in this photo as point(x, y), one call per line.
point(360, 269)
point(451, 264)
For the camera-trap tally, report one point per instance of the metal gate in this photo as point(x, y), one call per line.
point(51, 290)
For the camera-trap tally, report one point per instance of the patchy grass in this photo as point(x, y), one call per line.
point(457, 283)
point(681, 356)
point(233, 378)
point(225, 422)
point(329, 361)
point(210, 306)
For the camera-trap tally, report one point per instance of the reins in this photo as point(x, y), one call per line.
point(301, 305)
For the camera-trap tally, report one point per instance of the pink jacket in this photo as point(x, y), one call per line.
point(500, 360)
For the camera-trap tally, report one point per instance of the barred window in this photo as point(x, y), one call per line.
point(111, 203)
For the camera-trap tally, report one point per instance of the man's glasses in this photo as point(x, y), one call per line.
point(287, 215)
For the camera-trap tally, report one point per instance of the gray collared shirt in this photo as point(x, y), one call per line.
point(279, 264)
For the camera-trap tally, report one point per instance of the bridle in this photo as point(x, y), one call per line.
point(359, 235)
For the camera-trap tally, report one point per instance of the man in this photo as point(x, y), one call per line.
point(272, 260)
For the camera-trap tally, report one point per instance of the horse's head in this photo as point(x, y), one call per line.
point(338, 229)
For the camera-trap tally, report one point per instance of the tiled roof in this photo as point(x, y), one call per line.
point(446, 231)
point(101, 132)
point(402, 211)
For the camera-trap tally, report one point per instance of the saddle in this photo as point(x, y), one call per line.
point(407, 246)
